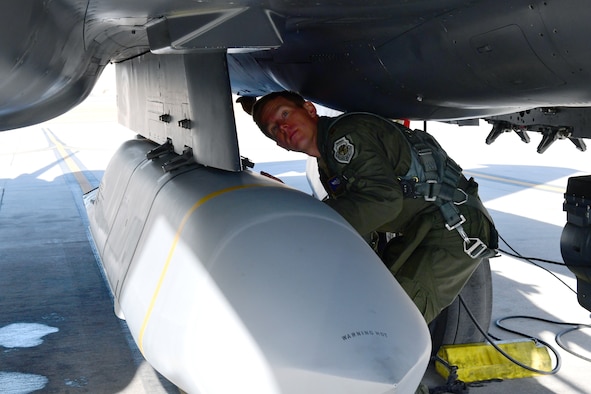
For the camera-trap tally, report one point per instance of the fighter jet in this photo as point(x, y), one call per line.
point(204, 256)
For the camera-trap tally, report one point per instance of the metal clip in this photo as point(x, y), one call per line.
point(422, 150)
point(474, 247)
point(429, 195)
point(465, 197)
point(453, 226)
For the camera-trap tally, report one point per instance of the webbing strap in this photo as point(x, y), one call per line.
point(452, 216)
point(473, 247)
point(448, 196)
point(427, 161)
point(444, 192)
point(433, 190)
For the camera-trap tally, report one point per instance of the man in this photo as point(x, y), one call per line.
point(366, 165)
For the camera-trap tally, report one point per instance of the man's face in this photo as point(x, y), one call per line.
point(292, 127)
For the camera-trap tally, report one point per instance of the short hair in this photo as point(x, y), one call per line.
point(259, 105)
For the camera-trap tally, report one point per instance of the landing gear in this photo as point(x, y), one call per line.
point(454, 325)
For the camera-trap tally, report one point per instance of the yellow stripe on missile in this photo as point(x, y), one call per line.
point(172, 250)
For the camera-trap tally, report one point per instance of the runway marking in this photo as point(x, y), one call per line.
point(84, 183)
point(512, 181)
point(172, 250)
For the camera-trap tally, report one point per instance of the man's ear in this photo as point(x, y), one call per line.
point(310, 108)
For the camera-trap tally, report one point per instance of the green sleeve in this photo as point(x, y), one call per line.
point(372, 196)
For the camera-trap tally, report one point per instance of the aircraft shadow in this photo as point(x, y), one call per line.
point(58, 331)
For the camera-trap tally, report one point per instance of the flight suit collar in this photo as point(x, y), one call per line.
point(333, 184)
point(324, 123)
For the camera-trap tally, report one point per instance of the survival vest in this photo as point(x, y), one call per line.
point(437, 178)
point(434, 176)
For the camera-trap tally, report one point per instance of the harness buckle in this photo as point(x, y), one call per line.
point(423, 150)
point(461, 220)
point(474, 247)
point(430, 195)
point(465, 197)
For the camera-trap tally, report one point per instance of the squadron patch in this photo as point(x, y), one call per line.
point(343, 150)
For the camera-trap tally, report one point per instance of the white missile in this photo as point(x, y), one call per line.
point(234, 283)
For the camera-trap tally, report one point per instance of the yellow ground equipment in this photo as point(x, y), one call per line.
point(481, 361)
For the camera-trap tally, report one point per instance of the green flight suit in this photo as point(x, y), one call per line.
point(362, 159)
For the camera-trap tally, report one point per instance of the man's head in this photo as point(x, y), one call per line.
point(289, 120)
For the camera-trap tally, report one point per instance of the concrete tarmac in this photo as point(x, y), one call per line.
point(58, 333)
point(524, 192)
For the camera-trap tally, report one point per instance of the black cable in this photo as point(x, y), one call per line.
point(531, 261)
point(563, 346)
point(505, 354)
point(532, 258)
point(558, 336)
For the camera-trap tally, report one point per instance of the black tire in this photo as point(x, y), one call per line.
point(454, 325)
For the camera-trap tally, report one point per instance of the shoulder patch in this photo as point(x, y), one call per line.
point(343, 150)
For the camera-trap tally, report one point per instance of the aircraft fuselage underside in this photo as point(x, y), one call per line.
point(522, 65)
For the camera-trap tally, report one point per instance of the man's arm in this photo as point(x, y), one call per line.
point(372, 196)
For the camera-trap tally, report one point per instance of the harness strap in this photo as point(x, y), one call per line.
point(432, 190)
point(427, 160)
point(443, 187)
point(448, 193)
point(449, 199)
